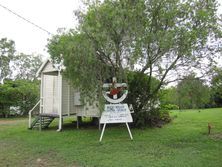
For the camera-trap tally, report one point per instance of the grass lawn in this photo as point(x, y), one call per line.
point(182, 143)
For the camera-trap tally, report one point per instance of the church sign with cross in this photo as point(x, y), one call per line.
point(115, 112)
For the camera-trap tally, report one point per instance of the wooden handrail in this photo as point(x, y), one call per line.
point(30, 113)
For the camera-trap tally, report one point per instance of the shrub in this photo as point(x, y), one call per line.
point(22, 94)
point(147, 110)
point(170, 107)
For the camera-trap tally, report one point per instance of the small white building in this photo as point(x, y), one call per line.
point(57, 99)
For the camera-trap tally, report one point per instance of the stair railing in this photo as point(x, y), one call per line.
point(30, 113)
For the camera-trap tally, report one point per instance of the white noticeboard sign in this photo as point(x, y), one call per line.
point(116, 113)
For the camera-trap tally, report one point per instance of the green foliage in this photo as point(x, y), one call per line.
point(29, 94)
point(146, 108)
point(154, 37)
point(19, 93)
point(7, 51)
point(26, 66)
point(8, 97)
point(170, 106)
point(168, 96)
point(169, 99)
point(192, 93)
point(216, 87)
point(16, 65)
point(24, 91)
point(159, 36)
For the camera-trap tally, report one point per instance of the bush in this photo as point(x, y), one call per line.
point(159, 117)
point(147, 110)
point(170, 107)
point(22, 94)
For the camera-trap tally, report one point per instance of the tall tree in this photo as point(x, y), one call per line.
point(216, 87)
point(153, 37)
point(169, 96)
point(192, 93)
point(26, 66)
point(7, 52)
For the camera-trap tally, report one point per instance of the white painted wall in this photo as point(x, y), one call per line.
point(71, 103)
point(65, 97)
point(50, 94)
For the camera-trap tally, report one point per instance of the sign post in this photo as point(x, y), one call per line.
point(115, 112)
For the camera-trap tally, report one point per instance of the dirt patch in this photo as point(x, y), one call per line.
point(48, 162)
point(216, 136)
point(44, 162)
point(11, 122)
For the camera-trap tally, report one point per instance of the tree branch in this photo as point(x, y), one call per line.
point(165, 74)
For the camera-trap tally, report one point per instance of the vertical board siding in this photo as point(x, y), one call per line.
point(50, 94)
point(71, 103)
point(65, 97)
point(92, 110)
point(88, 110)
point(77, 100)
point(55, 95)
point(73, 109)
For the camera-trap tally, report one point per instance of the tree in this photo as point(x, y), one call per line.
point(216, 87)
point(7, 52)
point(192, 93)
point(8, 97)
point(17, 65)
point(156, 38)
point(19, 93)
point(149, 114)
point(28, 94)
point(26, 66)
point(23, 91)
point(168, 98)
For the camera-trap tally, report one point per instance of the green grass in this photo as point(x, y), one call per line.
point(182, 143)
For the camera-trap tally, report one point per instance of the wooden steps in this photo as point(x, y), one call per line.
point(42, 122)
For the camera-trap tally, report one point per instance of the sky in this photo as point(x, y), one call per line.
point(48, 14)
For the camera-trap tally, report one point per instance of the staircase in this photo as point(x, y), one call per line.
point(41, 122)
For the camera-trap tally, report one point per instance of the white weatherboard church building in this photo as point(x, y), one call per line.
point(57, 99)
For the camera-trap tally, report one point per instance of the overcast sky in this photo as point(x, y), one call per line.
point(49, 14)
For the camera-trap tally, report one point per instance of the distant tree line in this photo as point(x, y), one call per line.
point(192, 93)
point(19, 90)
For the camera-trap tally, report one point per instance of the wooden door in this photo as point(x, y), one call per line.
point(50, 94)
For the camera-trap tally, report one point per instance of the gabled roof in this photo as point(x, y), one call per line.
point(54, 68)
point(44, 64)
